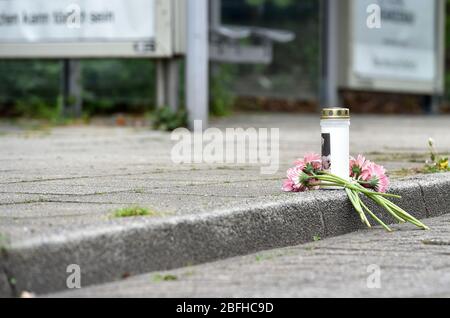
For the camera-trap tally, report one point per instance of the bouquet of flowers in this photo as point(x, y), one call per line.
point(366, 178)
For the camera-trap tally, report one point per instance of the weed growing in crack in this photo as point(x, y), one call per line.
point(165, 278)
point(133, 212)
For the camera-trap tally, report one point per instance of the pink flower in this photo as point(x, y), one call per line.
point(302, 177)
point(375, 177)
point(311, 161)
point(298, 177)
point(294, 173)
point(358, 165)
point(288, 185)
point(296, 181)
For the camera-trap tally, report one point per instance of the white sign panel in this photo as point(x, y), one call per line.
point(25, 21)
point(404, 45)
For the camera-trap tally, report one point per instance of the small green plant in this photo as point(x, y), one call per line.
point(436, 163)
point(166, 119)
point(133, 211)
point(139, 190)
point(264, 257)
point(222, 98)
point(165, 278)
point(316, 238)
point(259, 258)
point(35, 107)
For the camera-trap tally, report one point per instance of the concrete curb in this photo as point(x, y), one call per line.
point(118, 249)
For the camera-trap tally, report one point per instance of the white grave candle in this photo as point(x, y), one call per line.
point(335, 124)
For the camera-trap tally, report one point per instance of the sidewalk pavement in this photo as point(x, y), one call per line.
point(369, 263)
point(62, 185)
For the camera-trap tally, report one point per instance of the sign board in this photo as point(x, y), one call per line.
point(404, 52)
point(86, 28)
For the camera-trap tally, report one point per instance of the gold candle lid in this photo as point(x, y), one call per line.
point(335, 113)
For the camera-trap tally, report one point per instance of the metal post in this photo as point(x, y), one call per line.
point(167, 83)
point(431, 104)
point(330, 53)
point(72, 88)
point(160, 84)
point(215, 21)
point(173, 84)
point(216, 13)
point(197, 62)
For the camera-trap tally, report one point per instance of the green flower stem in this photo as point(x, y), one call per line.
point(360, 187)
point(335, 181)
point(356, 201)
point(364, 182)
point(353, 190)
point(352, 186)
point(352, 200)
point(387, 208)
point(320, 184)
point(391, 195)
point(359, 207)
point(355, 205)
point(400, 213)
point(405, 214)
point(375, 217)
point(399, 210)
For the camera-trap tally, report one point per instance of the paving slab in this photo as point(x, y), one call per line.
point(368, 263)
point(59, 187)
point(110, 249)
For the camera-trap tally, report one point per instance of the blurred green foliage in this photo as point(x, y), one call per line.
point(33, 88)
point(221, 89)
point(118, 85)
point(29, 88)
point(165, 119)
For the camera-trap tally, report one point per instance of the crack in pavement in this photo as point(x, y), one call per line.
point(422, 194)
